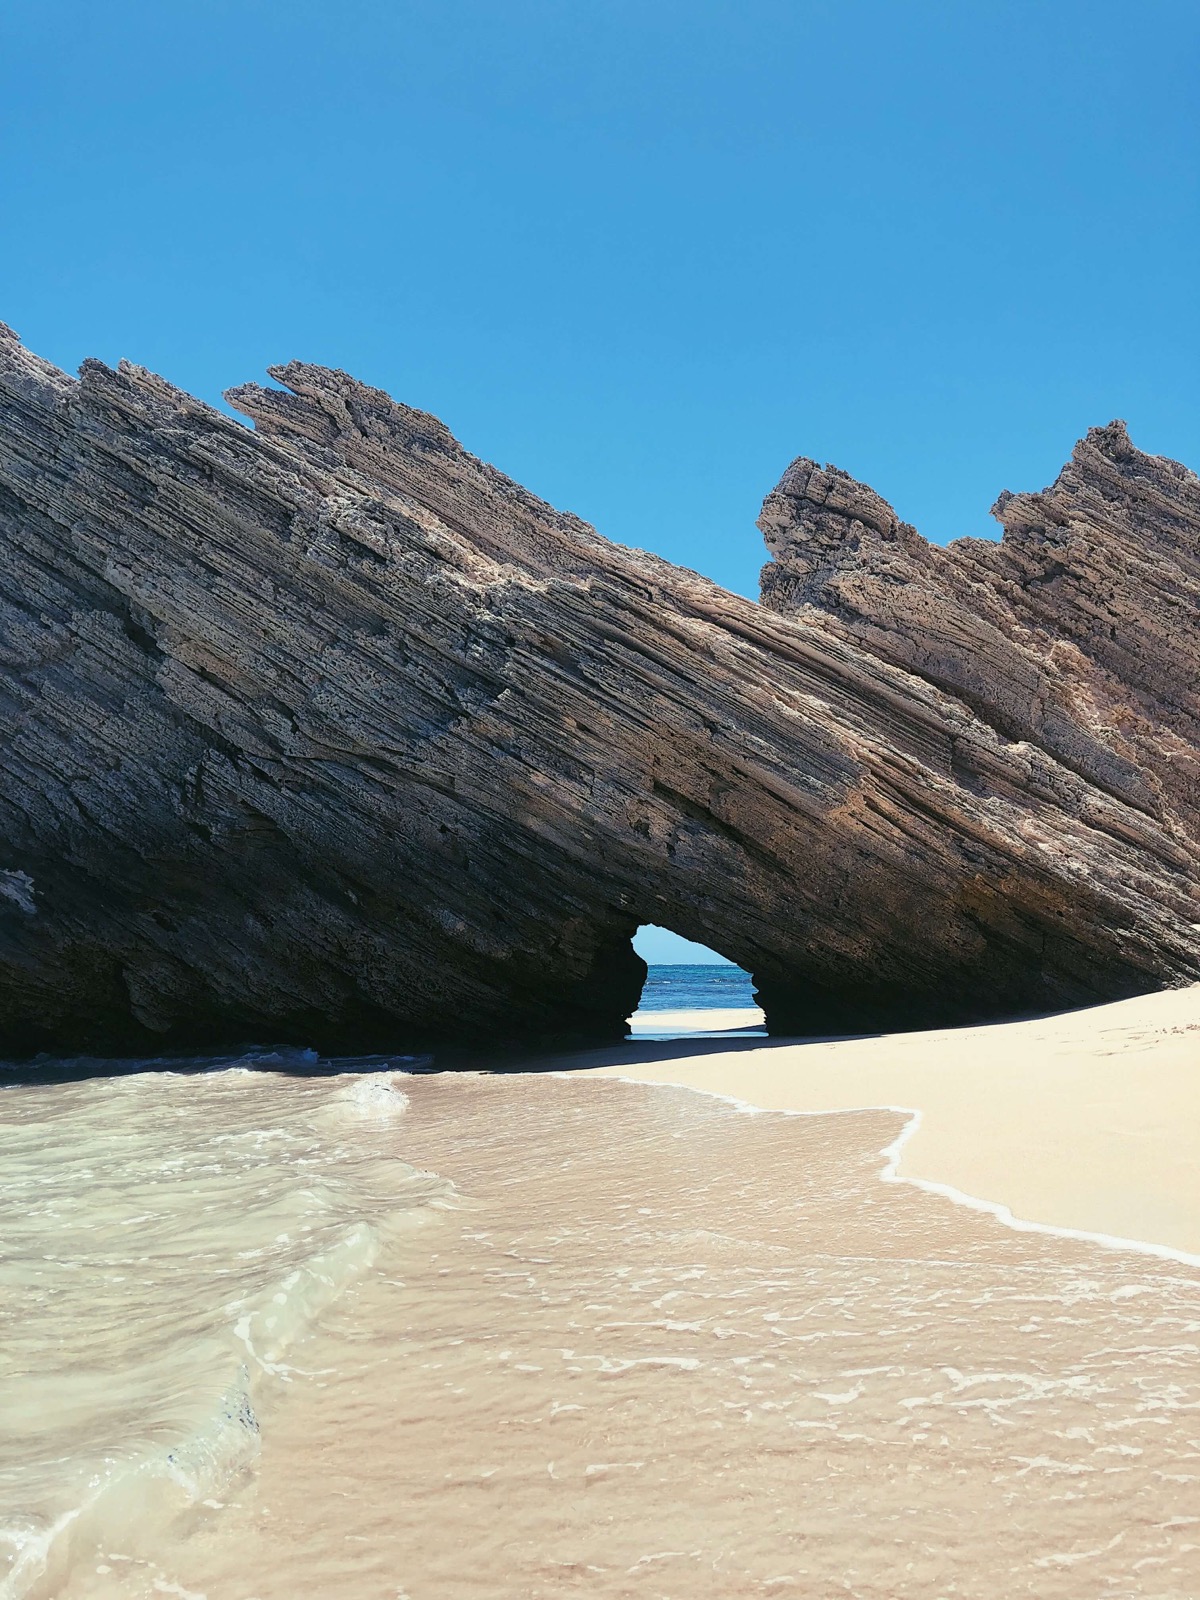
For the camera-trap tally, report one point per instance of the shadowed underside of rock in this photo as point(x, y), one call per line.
point(328, 733)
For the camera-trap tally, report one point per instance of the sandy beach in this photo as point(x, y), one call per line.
point(1086, 1122)
point(714, 1019)
point(465, 1334)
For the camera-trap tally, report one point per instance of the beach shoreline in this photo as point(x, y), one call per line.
point(575, 1293)
point(1085, 1124)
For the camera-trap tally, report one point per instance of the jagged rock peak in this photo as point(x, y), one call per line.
point(1078, 631)
point(818, 522)
point(815, 503)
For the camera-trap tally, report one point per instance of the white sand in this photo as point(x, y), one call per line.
point(716, 1019)
point(1087, 1121)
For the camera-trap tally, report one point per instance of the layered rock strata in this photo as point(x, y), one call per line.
point(1077, 632)
point(327, 733)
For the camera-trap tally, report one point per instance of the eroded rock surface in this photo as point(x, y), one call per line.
point(1078, 632)
point(328, 733)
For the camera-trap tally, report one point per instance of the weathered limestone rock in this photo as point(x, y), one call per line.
point(1077, 632)
point(328, 733)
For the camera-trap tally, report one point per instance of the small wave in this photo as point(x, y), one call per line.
point(168, 1239)
point(280, 1316)
point(375, 1096)
point(137, 1501)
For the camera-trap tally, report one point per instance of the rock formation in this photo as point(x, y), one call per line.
point(1077, 632)
point(327, 733)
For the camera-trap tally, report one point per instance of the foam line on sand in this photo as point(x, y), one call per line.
point(1085, 1125)
point(891, 1173)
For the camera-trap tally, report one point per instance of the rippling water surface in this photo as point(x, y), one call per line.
point(686, 988)
point(166, 1240)
point(520, 1336)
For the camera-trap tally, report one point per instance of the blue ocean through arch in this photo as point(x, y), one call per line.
point(700, 987)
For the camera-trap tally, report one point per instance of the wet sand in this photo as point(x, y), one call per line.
point(660, 1348)
point(1087, 1121)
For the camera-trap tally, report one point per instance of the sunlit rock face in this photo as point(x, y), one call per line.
point(1077, 632)
point(328, 733)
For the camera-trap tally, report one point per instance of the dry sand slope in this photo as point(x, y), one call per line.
point(1088, 1121)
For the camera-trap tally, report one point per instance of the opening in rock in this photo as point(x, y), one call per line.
point(690, 989)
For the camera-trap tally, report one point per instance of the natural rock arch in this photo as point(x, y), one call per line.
point(329, 733)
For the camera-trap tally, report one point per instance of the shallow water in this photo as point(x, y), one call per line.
point(627, 1341)
point(167, 1237)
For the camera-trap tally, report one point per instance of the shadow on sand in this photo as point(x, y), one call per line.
point(630, 1052)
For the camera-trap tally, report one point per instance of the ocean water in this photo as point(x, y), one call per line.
point(522, 1337)
point(687, 988)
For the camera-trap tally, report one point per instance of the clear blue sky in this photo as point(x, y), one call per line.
point(639, 253)
point(661, 946)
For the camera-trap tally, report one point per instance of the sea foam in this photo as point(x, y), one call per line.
point(168, 1236)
